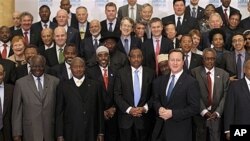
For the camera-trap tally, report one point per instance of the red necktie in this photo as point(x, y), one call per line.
point(26, 39)
point(209, 87)
point(105, 78)
point(4, 52)
point(226, 16)
point(157, 51)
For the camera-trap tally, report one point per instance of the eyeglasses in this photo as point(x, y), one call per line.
point(240, 40)
point(248, 38)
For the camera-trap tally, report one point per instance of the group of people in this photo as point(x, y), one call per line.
point(130, 77)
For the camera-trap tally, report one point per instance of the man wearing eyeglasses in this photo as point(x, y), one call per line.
point(213, 84)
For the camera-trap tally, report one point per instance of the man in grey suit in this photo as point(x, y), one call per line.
point(213, 84)
point(131, 10)
point(33, 109)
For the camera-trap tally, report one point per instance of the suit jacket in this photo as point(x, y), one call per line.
point(124, 97)
point(60, 71)
point(9, 67)
point(87, 49)
point(51, 56)
point(221, 12)
point(95, 73)
point(149, 53)
point(134, 42)
point(196, 60)
point(73, 21)
point(237, 104)
point(184, 103)
point(188, 23)
point(229, 60)
point(79, 116)
point(7, 108)
point(87, 33)
point(105, 29)
point(33, 115)
point(200, 12)
point(123, 11)
point(221, 82)
point(34, 36)
point(245, 23)
point(73, 36)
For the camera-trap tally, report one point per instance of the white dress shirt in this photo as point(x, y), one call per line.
point(78, 82)
point(2, 94)
point(41, 79)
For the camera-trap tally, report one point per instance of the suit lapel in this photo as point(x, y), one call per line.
point(46, 84)
point(86, 88)
point(178, 85)
point(130, 84)
point(6, 100)
point(33, 87)
point(217, 80)
point(110, 79)
point(245, 88)
point(163, 89)
point(204, 76)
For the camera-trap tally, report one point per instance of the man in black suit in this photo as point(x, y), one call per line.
point(44, 13)
point(131, 10)
point(184, 23)
point(72, 21)
point(245, 23)
point(16, 21)
point(127, 41)
point(79, 116)
point(234, 60)
point(111, 23)
point(90, 44)
point(5, 111)
point(132, 94)
point(175, 99)
point(155, 46)
point(29, 52)
point(146, 14)
point(103, 73)
point(31, 36)
point(237, 106)
point(9, 68)
point(5, 44)
point(170, 33)
point(194, 10)
point(225, 10)
point(47, 39)
point(54, 55)
point(63, 71)
point(73, 35)
point(213, 84)
point(82, 22)
point(191, 60)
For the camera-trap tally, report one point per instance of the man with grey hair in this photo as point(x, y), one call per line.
point(33, 109)
point(245, 23)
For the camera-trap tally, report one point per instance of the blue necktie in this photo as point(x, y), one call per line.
point(170, 88)
point(110, 27)
point(137, 90)
point(40, 87)
point(239, 64)
point(126, 46)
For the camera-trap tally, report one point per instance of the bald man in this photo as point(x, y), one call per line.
point(16, 21)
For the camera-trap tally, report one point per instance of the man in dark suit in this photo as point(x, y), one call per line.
point(127, 41)
point(31, 36)
point(54, 55)
point(72, 21)
point(79, 116)
point(9, 68)
point(103, 73)
point(213, 84)
point(63, 71)
point(183, 22)
point(155, 46)
point(36, 94)
point(24, 70)
point(234, 60)
point(47, 39)
point(5, 44)
point(82, 22)
point(90, 44)
point(146, 14)
point(73, 35)
point(194, 10)
point(170, 33)
point(225, 10)
point(16, 21)
point(44, 13)
point(6, 104)
point(191, 60)
point(237, 102)
point(245, 23)
point(111, 23)
point(131, 10)
point(175, 99)
point(132, 94)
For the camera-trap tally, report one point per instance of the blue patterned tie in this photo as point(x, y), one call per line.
point(170, 87)
point(137, 90)
point(126, 46)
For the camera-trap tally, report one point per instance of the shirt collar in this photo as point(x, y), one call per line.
point(139, 69)
point(211, 71)
point(178, 74)
point(154, 38)
point(41, 77)
point(2, 85)
point(76, 79)
point(57, 47)
point(247, 80)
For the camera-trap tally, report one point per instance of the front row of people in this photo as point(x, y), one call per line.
point(129, 105)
